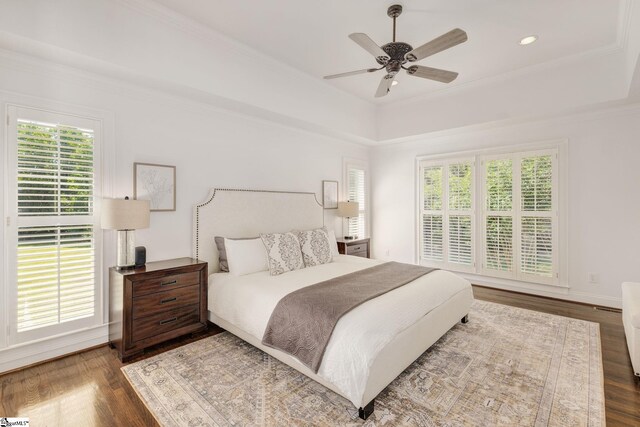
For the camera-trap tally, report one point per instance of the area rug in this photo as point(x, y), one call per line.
point(506, 367)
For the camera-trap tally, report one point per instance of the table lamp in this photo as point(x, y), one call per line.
point(125, 216)
point(348, 210)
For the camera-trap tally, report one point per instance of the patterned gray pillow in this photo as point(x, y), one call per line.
point(315, 246)
point(283, 251)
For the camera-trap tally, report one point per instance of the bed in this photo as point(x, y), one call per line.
point(368, 348)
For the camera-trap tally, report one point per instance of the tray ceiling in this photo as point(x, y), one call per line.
point(312, 35)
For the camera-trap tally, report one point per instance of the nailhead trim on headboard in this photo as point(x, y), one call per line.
point(213, 195)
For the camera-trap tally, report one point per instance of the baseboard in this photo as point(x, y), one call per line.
point(22, 355)
point(561, 294)
point(602, 300)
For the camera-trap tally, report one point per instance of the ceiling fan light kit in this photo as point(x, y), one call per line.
point(528, 40)
point(396, 56)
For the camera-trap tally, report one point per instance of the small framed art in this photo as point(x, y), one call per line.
point(330, 194)
point(156, 183)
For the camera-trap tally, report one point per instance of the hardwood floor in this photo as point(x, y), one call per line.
point(88, 389)
point(85, 389)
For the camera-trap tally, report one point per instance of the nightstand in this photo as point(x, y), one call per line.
point(355, 247)
point(155, 303)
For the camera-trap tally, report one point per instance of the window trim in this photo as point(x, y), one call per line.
point(446, 212)
point(517, 214)
point(13, 112)
point(561, 257)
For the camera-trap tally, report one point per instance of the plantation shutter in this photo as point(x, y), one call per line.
point(499, 215)
point(460, 213)
point(55, 275)
point(447, 214)
point(515, 232)
point(432, 213)
point(356, 188)
point(536, 240)
point(55, 192)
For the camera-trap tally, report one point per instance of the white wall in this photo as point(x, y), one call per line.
point(604, 195)
point(210, 147)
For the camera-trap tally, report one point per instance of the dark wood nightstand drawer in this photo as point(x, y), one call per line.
point(362, 254)
point(164, 322)
point(143, 287)
point(159, 302)
point(354, 249)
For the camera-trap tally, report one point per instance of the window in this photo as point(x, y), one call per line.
point(518, 233)
point(53, 166)
point(447, 213)
point(356, 178)
point(498, 215)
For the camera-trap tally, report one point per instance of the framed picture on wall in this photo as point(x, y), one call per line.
point(330, 194)
point(156, 183)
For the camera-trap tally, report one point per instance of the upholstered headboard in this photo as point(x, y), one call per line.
point(247, 213)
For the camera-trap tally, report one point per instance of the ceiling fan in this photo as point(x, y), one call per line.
point(397, 55)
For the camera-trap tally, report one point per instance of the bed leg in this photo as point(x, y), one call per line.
point(367, 410)
point(465, 319)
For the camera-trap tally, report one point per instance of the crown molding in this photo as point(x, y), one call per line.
point(600, 53)
point(25, 55)
point(587, 114)
point(206, 33)
point(106, 76)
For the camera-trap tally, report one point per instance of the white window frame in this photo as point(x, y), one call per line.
point(445, 162)
point(14, 112)
point(559, 149)
point(350, 163)
point(486, 213)
point(517, 213)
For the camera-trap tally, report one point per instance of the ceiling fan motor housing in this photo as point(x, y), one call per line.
point(396, 52)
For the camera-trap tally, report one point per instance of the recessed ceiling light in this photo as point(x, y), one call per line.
point(528, 40)
point(395, 82)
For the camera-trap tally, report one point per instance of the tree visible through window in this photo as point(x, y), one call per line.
point(55, 244)
point(517, 234)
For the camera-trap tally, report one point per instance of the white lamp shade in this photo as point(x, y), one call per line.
point(120, 214)
point(348, 209)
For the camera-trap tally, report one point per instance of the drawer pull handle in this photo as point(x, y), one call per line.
point(164, 301)
point(173, 282)
point(164, 322)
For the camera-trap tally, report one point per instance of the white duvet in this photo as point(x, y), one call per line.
point(248, 301)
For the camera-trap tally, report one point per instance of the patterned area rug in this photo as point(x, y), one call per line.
point(506, 367)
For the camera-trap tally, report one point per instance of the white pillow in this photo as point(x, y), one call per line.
point(283, 252)
point(246, 256)
point(333, 243)
point(315, 246)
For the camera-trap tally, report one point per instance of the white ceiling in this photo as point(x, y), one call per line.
point(311, 35)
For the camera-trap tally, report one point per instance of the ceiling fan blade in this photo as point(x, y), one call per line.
point(436, 74)
point(370, 46)
point(352, 73)
point(445, 41)
point(385, 85)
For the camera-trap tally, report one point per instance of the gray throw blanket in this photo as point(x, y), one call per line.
point(303, 321)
